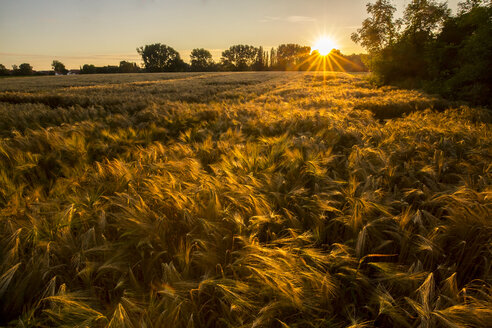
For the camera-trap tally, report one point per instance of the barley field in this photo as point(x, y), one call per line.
point(274, 199)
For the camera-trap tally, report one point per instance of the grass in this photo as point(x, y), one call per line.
point(276, 199)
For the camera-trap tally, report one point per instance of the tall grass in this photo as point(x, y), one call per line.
point(242, 200)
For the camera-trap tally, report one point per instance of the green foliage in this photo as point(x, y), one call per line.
point(463, 53)
point(450, 55)
point(241, 200)
point(380, 30)
point(424, 18)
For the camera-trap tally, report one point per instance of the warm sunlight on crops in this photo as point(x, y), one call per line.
point(274, 199)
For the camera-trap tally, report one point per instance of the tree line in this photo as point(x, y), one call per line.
point(162, 58)
point(23, 69)
point(159, 57)
point(431, 49)
point(58, 68)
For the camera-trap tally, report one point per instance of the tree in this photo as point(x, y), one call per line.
point(425, 17)
point(468, 5)
point(58, 67)
point(450, 55)
point(25, 69)
point(22, 69)
point(161, 58)
point(380, 30)
point(261, 62)
point(127, 67)
point(109, 69)
point(291, 56)
point(88, 69)
point(410, 59)
point(201, 60)
point(239, 57)
point(462, 54)
point(4, 71)
point(273, 58)
point(354, 63)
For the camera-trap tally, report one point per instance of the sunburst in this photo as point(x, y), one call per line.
point(324, 45)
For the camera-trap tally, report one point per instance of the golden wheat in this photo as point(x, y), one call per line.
point(277, 199)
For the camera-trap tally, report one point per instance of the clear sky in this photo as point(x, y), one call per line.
point(103, 32)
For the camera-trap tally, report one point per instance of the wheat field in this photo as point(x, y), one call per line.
point(273, 199)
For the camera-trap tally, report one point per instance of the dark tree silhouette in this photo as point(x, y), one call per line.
point(58, 67)
point(88, 69)
point(23, 69)
point(239, 57)
point(468, 5)
point(201, 60)
point(128, 67)
point(380, 29)
point(260, 63)
point(161, 58)
point(4, 71)
point(425, 17)
point(291, 56)
point(273, 58)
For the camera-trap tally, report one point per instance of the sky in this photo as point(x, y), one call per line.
point(104, 32)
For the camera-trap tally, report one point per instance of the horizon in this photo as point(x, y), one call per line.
point(31, 31)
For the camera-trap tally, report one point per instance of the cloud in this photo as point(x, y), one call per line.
point(300, 19)
point(270, 19)
point(290, 19)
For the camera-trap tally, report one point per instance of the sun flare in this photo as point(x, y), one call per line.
point(324, 45)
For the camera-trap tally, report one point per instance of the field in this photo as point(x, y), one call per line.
point(276, 199)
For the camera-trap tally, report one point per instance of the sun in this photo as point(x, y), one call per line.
point(324, 45)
